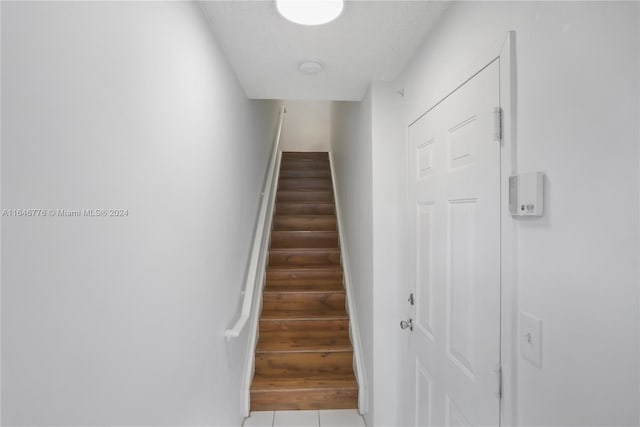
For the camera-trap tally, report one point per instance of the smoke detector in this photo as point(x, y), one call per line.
point(310, 67)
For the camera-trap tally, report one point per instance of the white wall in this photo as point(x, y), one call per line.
point(387, 135)
point(119, 321)
point(578, 109)
point(364, 139)
point(351, 146)
point(307, 127)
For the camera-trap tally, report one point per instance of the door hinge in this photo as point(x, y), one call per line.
point(497, 116)
point(498, 372)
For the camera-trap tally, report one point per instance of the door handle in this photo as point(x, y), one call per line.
point(406, 324)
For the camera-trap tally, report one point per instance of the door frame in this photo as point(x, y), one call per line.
point(508, 240)
point(508, 244)
point(504, 52)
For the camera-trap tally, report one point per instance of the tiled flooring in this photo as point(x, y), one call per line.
point(333, 418)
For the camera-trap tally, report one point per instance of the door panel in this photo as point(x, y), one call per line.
point(423, 396)
point(460, 284)
point(424, 318)
point(454, 223)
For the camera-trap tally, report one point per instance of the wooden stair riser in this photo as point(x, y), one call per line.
point(284, 400)
point(304, 164)
point(305, 173)
point(293, 257)
point(304, 239)
point(305, 196)
point(305, 222)
point(299, 301)
point(292, 382)
point(303, 184)
point(293, 276)
point(312, 340)
point(304, 364)
point(301, 286)
point(321, 274)
point(326, 313)
point(323, 155)
point(292, 325)
point(305, 208)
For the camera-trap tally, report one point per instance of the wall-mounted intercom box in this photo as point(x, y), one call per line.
point(526, 194)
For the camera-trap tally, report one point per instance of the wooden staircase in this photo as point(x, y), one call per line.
point(304, 357)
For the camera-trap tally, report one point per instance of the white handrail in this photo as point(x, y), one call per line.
point(257, 251)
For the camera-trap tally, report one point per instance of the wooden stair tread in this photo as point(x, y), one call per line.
point(300, 160)
point(305, 182)
point(306, 333)
point(324, 314)
point(304, 233)
point(303, 222)
point(305, 268)
point(302, 289)
point(304, 158)
point(309, 302)
point(288, 161)
point(300, 155)
point(305, 173)
point(293, 326)
point(304, 239)
point(290, 383)
point(304, 192)
point(307, 202)
point(304, 185)
point(297, 343)
point(312, 208)
point(322, 154)
point(295, 165)
point(308, 195)
point(325, 275)
point(307, 234)
point(301, 286)
point(306, 164)
point(306, 216)
point(306, 257)
point(321, 272)
point(294, 157)
point(305, 250)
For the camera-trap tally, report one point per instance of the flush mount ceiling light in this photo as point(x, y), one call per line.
point(310, 67)
point(310, 12)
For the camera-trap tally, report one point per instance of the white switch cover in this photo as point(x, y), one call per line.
point(526, 194)
point(531, 338)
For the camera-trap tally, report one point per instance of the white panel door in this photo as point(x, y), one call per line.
point(454, 223)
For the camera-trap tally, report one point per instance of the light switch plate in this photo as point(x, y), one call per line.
point(531, 338)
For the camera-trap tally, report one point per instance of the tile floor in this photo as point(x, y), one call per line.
point(332, 418)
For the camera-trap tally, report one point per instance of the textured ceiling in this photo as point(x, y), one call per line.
point(371, 40)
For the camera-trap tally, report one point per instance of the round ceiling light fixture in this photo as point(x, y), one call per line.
point(310, 67)
point(310, 12)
